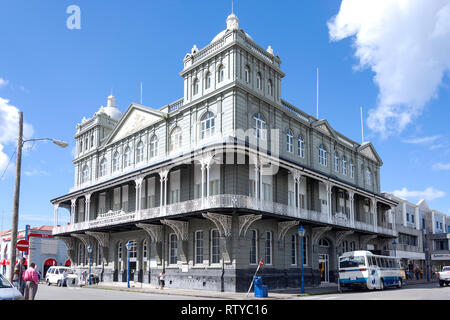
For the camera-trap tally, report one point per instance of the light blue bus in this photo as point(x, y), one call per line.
point(362, 269)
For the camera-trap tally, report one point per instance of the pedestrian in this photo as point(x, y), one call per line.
point(421, 273)
point(162, 279)
point(32, 281)
point(417, 273)
point(18, 282)
point(64, 279)
point(84, 277)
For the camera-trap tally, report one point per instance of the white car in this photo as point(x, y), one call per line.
point(444, 277)
point(55, 275)
point(7, 290)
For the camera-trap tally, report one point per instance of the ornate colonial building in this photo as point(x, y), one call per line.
point(207, 186)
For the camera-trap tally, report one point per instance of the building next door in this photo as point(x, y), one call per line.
point(324, 267)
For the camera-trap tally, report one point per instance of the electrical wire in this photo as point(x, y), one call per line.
point(7, 165)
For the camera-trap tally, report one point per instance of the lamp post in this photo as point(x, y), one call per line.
point(129, 245)
point(394, 243)
point(89, 250)
point(301, 234)
point(15, 213)
point(428, 265)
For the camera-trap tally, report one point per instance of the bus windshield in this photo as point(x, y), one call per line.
point(352, 262)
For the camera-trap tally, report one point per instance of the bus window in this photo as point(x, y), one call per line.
point(379, 262)
point(352, 262)
point(373, 261)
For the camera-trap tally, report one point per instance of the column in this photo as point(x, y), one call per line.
point(374, 214)
point(56, 206)
point(203, 180)
point(138, 183)
point(256, 180)
point(351, 196)
point(87, 207)
point(417, 217)
point(73, 211)
point(207, 179)
point(328, 185)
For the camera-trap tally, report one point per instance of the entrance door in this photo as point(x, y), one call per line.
point(323, 267)
point(132, 270)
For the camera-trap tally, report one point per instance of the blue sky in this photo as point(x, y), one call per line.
point(57, 76)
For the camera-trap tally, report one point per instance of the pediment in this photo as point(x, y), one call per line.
point(135, 119)
point(325, 127)
point(369, 151)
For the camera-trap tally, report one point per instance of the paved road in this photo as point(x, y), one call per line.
point(415, 292)
point(55, 293)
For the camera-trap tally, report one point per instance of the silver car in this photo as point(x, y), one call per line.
point(8, 291)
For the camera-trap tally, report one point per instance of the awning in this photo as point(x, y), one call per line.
point(68, 263)
point(3, 262)
point(50, 262)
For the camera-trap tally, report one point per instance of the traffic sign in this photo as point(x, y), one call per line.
point(22, 245)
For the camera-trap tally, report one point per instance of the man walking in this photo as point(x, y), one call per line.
point(18, 282)
point(32, 280)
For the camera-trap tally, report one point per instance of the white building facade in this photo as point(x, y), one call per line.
point(207, 186)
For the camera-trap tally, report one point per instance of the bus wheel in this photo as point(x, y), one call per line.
point(399, 285)
point(381, 284)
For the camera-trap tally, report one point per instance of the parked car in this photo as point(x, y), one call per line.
point(55, 275)
point(444, 276)
point(7, 290)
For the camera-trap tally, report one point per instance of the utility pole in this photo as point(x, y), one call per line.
point(15, 214)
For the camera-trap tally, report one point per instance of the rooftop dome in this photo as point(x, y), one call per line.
point(111, 109)
point(232, 24)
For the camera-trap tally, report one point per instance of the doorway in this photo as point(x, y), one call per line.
point(324, 268)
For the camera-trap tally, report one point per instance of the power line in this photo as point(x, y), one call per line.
point(7, 165)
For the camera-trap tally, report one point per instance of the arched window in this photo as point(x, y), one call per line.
point(253, 246)
point(195, 86)
point(81, 146)
point(116, 161)
point(247, 74)
point(322, 155)
point(127, 157)
point(175, 139)
point(259, 126)
point(85, 174)
point(133, 250)
point(352, 169)
point(344, 165)
point(368, 177)
point(102, 171)
point(140, 152)
point(258, 81)
point(208, 80)
point(336, 161)
point(289, 141)
point(268, 248)
point(173, 249)
point(221, 73)
point(324, 243)
point(153, 146)
point(208, 125)
point(215, 246)
point(301, 147)
point(269, 88)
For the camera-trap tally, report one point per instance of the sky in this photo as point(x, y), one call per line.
point(392, 58)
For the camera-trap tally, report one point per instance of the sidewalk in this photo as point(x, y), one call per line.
point(275, 294)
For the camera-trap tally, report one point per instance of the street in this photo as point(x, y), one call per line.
point(415, 292)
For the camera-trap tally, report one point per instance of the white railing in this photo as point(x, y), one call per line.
point(213, 202)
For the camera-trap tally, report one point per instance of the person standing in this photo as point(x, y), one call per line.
point(18, 276)
point(32, 280)
point(162, 279)
point(64, 279)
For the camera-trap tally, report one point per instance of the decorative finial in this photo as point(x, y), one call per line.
point(270, 50)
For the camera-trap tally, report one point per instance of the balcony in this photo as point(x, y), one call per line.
point(224, 201)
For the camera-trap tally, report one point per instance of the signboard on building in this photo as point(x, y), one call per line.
point(440, 256)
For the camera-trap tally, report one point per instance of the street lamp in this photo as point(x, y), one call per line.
point(15, 214)
point(394, 243)
point(301, 234)
point(129, 245)
point(428, 265)
point(89, 251)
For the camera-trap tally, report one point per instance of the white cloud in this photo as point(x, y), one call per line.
point(34, 172)
point(9, 128)
point(441, 166)
point(423, 140)
point(406, 44)
point(429, 193)
point(3, 82)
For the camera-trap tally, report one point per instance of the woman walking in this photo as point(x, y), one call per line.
point(31, 277)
